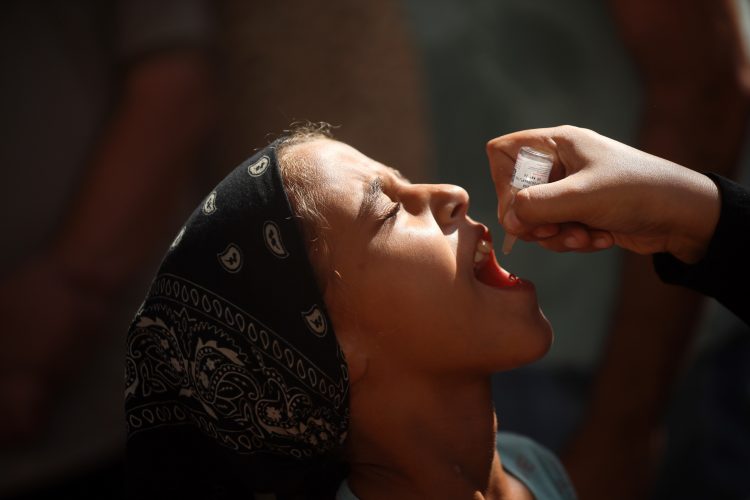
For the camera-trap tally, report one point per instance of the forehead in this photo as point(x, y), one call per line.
point(341, 172)
point(333, 158)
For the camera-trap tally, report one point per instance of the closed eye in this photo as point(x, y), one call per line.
point(374, 202)
point(391, 211)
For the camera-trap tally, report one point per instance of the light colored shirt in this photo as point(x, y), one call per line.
point(529, 462)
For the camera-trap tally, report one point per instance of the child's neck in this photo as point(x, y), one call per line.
point(416, 437)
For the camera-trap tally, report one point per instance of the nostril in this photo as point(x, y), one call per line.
point(457, 208)
point(448, 202)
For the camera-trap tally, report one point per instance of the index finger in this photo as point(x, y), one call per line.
point(502, 152)
point(504, 149)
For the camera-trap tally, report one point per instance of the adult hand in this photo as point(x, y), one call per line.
point(603, 193)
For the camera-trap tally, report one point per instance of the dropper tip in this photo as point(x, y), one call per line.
point(508, 242)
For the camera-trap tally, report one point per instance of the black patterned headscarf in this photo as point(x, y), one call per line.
point(234, 379)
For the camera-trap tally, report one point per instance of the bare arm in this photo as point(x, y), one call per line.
point(146, 160)
point(695, 112)
point(123, 214)
point(365, 77)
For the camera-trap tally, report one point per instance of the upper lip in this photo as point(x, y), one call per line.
point(485, 234)
point(481, 232)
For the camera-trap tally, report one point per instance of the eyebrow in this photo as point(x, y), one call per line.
point(399, 174)
point(371, 192)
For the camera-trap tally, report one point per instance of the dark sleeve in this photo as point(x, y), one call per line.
point(724, 272)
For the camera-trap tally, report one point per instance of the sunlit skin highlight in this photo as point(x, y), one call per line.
point(420, 333)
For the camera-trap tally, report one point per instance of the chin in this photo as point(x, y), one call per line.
point(536, 343)
point(545, 335)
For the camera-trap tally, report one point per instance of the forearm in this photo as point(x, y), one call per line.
point(369, 84)
point(617, 448)
point(650, 333)
point(695, 114)
point(143, 164)
point(694, 75)
point(723, 268)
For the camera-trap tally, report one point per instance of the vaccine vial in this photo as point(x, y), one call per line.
point(532, 168)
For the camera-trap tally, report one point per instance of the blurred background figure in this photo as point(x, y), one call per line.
point(352, 64)
point(693, 72)
point(668, 77)
point(107, 109)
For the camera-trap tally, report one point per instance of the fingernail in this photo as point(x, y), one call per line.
point(511, 222)
point(601, 242)
point(543, 232)
point(571, 242)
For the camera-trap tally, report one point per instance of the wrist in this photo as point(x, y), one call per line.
point(696, 215)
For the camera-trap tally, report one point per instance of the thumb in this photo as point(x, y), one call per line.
point(552, 203)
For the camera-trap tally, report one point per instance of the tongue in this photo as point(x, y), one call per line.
point(493, 275)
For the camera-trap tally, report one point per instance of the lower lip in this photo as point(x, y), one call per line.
point(520, 286)
point(493, 275)
point(501, 275)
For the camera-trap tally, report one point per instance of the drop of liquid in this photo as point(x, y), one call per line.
point(513, 277)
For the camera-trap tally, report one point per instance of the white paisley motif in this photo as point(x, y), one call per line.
point(231, 258)
point(259, 167)
point(272, 237)
point(185, 365)
point(316, 321)
point(209, 206)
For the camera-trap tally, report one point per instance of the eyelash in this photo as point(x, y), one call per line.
point(392, 211)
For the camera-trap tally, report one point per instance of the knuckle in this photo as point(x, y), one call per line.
point(493, 145)
point(567, 130)
point(523, 205)
point(523, 199)
point(572, 134)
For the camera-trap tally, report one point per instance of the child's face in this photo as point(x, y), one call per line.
point(402, 283)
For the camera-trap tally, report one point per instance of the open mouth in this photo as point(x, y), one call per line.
point(486, 268)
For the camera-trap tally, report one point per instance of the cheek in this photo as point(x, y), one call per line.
point(416, 314)
point(420, 256)
point(416, 278)
point(402, 292)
